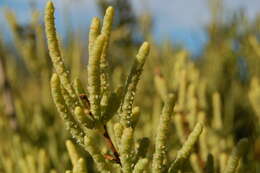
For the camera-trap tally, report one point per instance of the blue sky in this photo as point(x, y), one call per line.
point(181, 21)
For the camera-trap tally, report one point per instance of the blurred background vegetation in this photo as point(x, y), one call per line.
point(225, 72)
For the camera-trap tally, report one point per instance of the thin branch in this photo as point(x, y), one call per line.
point(110, 144)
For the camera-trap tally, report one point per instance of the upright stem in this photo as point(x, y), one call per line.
point(7, 96)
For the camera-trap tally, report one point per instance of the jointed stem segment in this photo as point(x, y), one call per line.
point(87, 111)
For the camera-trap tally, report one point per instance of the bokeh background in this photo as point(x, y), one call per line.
point(205, 51)
point(180, 21)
